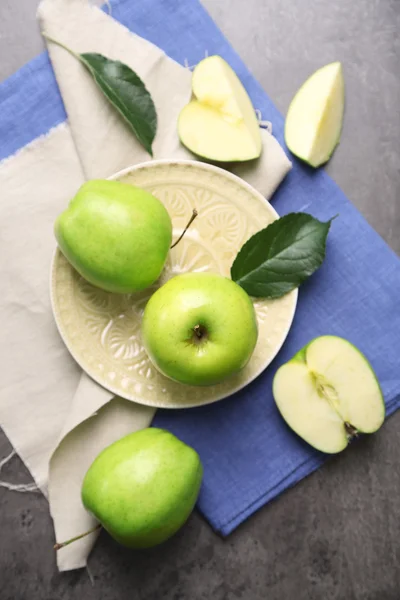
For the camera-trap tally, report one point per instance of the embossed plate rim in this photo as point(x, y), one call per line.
point(116, 390)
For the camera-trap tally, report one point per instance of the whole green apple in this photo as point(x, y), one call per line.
point(143, 487)
point(117, 236)
point(199, 328)
point(328, 392)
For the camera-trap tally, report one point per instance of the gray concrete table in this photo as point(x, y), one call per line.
point(336, 535)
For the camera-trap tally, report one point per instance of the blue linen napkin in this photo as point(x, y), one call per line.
point(249, 454)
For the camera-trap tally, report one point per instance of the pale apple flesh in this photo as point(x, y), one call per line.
point(328, 392)
point(208, 133)
point(220, 123)
point(315, 116)
point(199, 328)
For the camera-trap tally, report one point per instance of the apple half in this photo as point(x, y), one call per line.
point(220, 122)
point(328, 392)
point(315, 116)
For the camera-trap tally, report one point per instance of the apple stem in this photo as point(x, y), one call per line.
point(51, 39)
point(197, 331)
point(78, 537)
point(192, 218)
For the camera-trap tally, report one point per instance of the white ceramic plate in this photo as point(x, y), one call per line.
point(102, 330)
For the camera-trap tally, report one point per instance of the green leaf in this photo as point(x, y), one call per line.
point(125, 91)
point(280, 257)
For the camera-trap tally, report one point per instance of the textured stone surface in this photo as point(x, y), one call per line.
point(336, 535)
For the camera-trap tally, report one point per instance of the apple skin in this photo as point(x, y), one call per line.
point(115, 235)
point(216, 304)
point(143, 487)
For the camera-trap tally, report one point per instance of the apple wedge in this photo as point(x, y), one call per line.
point(315, 116)
point(328, 392)
point(220, 122)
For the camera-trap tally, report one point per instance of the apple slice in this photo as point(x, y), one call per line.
point(220, 123)
point(315, 116)
point(328, 392)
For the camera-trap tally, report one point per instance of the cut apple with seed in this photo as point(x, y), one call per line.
point(315, 116)
point(220, 122)
point(328, 392)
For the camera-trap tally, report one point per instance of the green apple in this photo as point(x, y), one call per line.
point(328, 392)
point(117, 236)
point(315, 116)
point(143, 487)
point(220, 122)
point(199, 328)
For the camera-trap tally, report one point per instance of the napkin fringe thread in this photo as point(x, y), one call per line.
point(16, 487)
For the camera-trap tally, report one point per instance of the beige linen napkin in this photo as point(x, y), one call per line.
point(57, 418)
